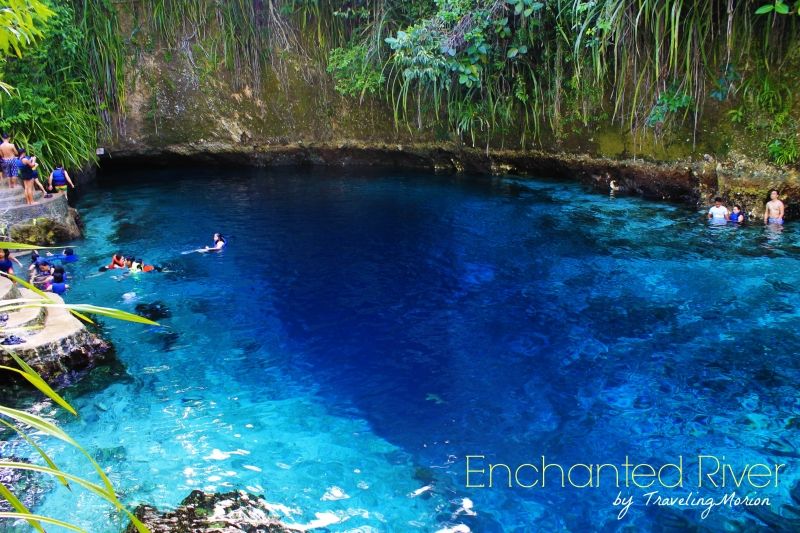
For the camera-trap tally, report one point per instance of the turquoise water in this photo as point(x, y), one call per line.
point(363, 334)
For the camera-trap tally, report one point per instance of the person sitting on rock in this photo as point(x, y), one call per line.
point(718, 212)
point(57, 285)
point(736, 215)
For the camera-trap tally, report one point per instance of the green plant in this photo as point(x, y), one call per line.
point(670, 101)
point(783, 151)
point(779, 6)
point(353, 72)
point(736, 115)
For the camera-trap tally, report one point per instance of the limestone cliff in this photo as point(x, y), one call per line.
point(180, 104)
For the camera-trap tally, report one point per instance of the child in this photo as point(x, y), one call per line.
point(59, 178)
point(6, 266)
point(58, 285)
point(736, 216)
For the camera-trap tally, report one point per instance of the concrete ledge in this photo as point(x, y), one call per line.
point(57, 345)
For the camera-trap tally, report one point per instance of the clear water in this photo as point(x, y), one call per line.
point(364, 333)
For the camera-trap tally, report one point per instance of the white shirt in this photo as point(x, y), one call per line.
point(720, 212)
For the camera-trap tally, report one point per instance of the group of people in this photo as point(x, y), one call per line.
point(118, 260)
point(46, 273)
point(19, 163)
point(773, 211)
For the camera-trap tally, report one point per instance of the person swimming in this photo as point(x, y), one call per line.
point(67, 256)
point(219, 243)
point(57, 285)
point(139, 265)
point(117, 261)
point(42, 275)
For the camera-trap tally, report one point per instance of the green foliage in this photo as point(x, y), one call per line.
point(779, 6)
point(736, 115)
point(670, 101)
point(352, 71)
point(52, 111)
point(21, 24)
point(783, 151)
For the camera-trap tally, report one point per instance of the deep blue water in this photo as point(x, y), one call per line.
point(363, 333)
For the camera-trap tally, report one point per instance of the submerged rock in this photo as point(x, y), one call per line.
point(231, 512)
point(153, 311)
point(29, 486)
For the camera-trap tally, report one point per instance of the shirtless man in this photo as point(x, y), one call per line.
point(9, 162)
point(773, 212)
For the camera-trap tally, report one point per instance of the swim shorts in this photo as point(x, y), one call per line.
point(773, 220)
point(10, 168)
point(60, 187)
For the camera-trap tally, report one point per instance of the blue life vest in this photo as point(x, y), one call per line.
point(58, 288)
point(59, 178)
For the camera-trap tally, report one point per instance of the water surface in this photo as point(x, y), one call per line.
point(363, 333)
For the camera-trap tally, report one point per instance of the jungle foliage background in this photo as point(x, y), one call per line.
point(488, 73)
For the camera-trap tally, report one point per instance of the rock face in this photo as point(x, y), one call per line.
point(56, 344)
point(48, 222)
point(694, 182)
point(232, 512)
point(178, 110)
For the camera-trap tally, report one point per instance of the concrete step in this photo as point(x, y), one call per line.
point(8, 290)
point(5, 190)
point(28, 320)
point(58, 324)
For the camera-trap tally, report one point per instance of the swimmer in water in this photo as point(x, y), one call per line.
point(736, 215)
point(773, 211)
point(718, 212)
point(219, 243)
